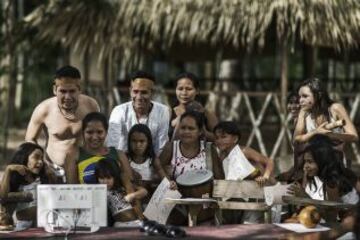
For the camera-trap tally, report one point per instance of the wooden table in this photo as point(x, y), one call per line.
point(318, 203)
point(249, 231)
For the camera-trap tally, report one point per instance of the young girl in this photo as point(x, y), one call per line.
point(120, 195)
point(23, 174)
point(142, 157)
point(235, 158)
point(293, 106)
point(325, 176)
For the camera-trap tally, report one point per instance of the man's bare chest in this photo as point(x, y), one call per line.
point(61, 128)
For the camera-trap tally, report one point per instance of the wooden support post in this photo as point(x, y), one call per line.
point(284, 82)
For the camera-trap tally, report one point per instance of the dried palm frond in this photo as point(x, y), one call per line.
point(130, 26)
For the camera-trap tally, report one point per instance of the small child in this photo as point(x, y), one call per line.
point(141, 152)
point(121, 195)
point(325, 176)
point(23, 174)
point(235, 159)
point(142, 158)
point(241, 163)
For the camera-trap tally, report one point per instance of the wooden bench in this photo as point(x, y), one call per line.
point(223, 192)
point(225, 189)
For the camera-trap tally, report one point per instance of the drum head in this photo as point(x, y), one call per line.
point(193, 178)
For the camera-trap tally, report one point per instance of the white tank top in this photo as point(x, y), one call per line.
point(181, 164)
point(315, 190)
point(310, 124)
point(144, 169)
point(32, 188)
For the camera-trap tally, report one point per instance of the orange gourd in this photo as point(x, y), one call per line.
point(309, 216)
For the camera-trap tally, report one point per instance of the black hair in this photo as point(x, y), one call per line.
point(332, 170)
point(21, 157)
point(228, 127)
point(106, 169)
point(95, 116)
point(197, 116)
point(141, 128)
point(292, 95)
point(192, 77)
point(67, 72)
point(195, 106)
point(142, 74)
point(322, 101)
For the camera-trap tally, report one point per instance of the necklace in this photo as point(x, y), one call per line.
point(69, 115)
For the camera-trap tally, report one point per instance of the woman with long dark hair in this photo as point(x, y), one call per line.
point(320, 115)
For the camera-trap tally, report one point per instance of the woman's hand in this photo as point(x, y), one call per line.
point(297, 190)
point(173, 185)
point(21, 169)
point(322, 130)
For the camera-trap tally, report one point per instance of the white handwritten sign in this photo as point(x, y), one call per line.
point(157, 209)
point(236, 166)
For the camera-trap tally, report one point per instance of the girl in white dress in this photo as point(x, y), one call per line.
point(142, 158)
point(22, 175)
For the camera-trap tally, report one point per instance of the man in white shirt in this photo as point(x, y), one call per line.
point(139, 110)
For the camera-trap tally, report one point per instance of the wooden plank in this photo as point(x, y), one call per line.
point(190, 201)
point(237, 189)
point(317, 203)
point(16, 197)
point(254, 206)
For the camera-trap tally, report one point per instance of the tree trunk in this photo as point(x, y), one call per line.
point(86, 66)
point(9, 17)
point(21, 60)
point(106, 89)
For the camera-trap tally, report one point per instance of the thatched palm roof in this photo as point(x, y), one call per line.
point(129, 25)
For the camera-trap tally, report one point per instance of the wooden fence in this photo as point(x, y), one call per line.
point(265, 125)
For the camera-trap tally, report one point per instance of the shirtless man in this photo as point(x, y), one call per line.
point(60, 117)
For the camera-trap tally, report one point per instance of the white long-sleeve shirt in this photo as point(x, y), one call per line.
point(123, 117)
